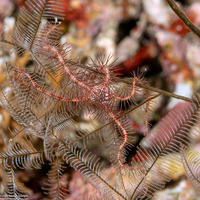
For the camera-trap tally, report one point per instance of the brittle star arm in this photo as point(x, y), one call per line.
point(43, 91)
point(124, 133)
point(130, 95)
point(72, 77)
point(60, 58)
point(66, 68)
point(137, 167)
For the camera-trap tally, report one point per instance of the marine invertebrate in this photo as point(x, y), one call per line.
point(46, 100)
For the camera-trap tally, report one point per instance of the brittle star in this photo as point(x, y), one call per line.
point(99, 94)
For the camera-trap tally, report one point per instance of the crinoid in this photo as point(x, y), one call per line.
point(49, 100)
